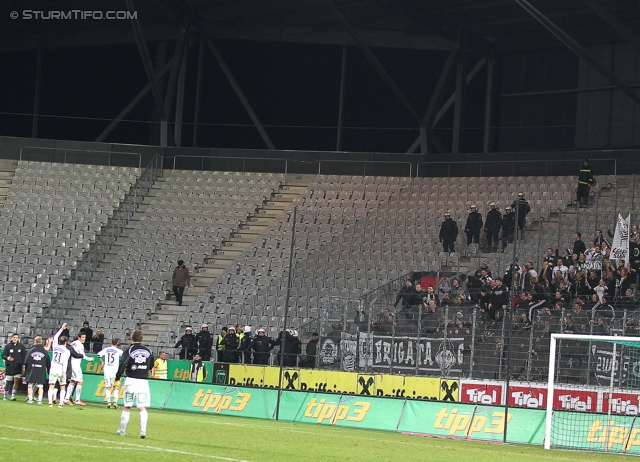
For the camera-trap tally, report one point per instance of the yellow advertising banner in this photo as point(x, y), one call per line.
point(328, 381)
point(323, 381)
point(247, 376)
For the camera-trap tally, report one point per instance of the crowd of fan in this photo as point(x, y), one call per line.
point(579, 290)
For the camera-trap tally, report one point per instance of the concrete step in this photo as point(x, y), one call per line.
point(227, 254)
point(269, 213)
point(206, 271)
point(8, 165)
point(259, 220)
point(162, 317)
point(231, 245)
point(154, 328)
point(275, 205)
point(300, 179)
point(217, 262)
point(252, 228)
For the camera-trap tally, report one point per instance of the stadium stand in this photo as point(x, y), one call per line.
point(354, 236)
point(191, 216)
point(51, 215)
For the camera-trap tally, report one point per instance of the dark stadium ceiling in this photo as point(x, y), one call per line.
point(488, 25)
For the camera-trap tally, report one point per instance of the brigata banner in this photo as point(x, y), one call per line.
point(617, 434)
point(407, 354)
point(473, 422)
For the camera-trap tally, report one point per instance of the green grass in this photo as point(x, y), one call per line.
point(37, 432)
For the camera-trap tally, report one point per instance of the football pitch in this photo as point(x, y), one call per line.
point(38, 432)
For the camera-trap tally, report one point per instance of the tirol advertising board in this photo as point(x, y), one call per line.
point(565, 397)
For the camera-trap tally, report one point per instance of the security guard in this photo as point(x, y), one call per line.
point(492, 227)
point(585, 181)
point(219, 344)
point(473, 226)
point(448, 233)
point(508, 227)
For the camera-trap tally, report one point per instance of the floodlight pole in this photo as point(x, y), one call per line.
point(286, 311)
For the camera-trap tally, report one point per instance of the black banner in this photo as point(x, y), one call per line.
point(435, 355)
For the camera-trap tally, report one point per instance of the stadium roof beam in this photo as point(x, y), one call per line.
point(134, 102)
point(445, 107)
point(377, 66)
point(458, 106)
point(185, 20)
point(148, 68)
point(436, 98)
point(243, 99)
point(420, 14)
point(620, 28)
point(577, 49)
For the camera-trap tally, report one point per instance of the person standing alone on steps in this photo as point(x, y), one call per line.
point(179, 280)
point(585, 181)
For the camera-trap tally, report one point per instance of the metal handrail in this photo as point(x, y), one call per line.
point(513, 162)
point(364, 164)
point(87, 151)
point(280, 159)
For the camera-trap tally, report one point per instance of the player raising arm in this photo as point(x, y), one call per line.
point(59, 362)
point(110, 359)
point(137, 363)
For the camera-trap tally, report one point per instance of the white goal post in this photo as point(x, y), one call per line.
point(608, 436)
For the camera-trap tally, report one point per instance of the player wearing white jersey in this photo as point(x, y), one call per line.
point(59, 362)
point(110, 359)
point(76, 370)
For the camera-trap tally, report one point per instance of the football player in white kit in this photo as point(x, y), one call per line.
point(110, 359)
point(59, 362)
point(76, 370)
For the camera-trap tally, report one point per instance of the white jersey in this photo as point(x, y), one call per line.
point(79, 347)
point(111, 356)
point(59, 360)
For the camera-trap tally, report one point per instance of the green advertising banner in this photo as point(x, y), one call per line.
point(341, 410)
point(217, 399)
point(93, 390)
point(594, 432)
point(176, 369)
point(473, 421)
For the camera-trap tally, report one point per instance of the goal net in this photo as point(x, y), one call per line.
point(593, 393)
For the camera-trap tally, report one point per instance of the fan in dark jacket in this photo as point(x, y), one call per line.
point(312, 350)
